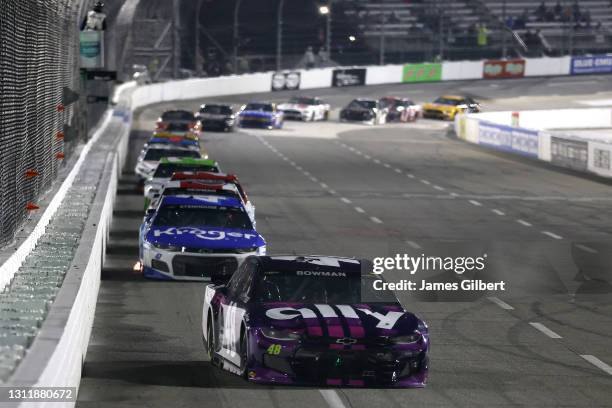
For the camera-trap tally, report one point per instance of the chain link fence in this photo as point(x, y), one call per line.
point(38, 58)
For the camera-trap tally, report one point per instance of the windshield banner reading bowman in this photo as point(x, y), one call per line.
point(594, 64)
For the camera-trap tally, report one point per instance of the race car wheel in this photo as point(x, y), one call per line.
point(244, 354)
point(326, 115)
point(211, 345)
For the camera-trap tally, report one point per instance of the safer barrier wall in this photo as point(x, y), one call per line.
point(534, 139)
point(56, 356)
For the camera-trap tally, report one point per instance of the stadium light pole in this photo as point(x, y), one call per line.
point(235, 54)
point(279, 35)
point(381, 48)
point(198, 52)
point(504, 31)
point(326, 10)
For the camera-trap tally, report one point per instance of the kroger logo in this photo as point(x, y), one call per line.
point(213, 235)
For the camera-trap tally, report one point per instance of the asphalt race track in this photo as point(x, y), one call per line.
point(367, 191)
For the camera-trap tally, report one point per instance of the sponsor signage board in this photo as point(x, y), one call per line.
point(348, 77)
point(594, 64)
point(286, 81)
point(508, 138)
point(493, 69)
point(422, 72)
point(91, 49)
point(570, 153)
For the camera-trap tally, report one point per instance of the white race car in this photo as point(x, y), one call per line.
point(168, 166)
point(152, 153)
point(305, 108)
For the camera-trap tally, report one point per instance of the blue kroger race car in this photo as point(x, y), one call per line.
point(260, 115)
point(313, 320)
point(196, 238)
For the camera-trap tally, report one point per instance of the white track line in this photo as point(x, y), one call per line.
point(552, 234)
point(345, 200)
point(438, 188)
point(523, 222)
point(324, 186)
point(425, 182)
point(398, 171)
point(498, 212)
point(376, 220)
point(500, 303)
point(597, 363)
point(413, 244)
point(332, 398)
point(410, 175)
point(360, 210)
point(476, 203)
point(587, 249)
point(545, 330)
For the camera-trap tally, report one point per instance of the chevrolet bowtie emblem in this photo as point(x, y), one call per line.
point(346, 341)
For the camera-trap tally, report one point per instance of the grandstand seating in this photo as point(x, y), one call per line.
point(411, 28)
point(585, 38)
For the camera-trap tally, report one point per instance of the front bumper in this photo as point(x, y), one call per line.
point(352, 366)
point(217, 124)
point(187, 266)
point(259, 123)
point(352, 116)
point(294, 114)
point(438, 114)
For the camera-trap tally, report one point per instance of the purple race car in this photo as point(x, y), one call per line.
point(313, 320)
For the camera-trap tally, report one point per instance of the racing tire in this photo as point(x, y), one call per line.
point(244, 355)
point(211, 345)
point(326, 115)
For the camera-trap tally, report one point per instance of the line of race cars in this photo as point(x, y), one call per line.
point(313, 320)
point(268, 115)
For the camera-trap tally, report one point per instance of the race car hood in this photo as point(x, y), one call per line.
point(356, 321)
point(148, 165)
point(256, 114)
point(204, 237)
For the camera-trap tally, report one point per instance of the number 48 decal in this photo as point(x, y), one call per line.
point(274, 349)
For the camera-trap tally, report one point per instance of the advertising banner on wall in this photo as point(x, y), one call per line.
point(594, 64)
point(510, 139)
point(493, 69)
point(422, 73)
point(348, 77)
point(569, 153)
point(600, 158)
point(282, 81)
point(92, 49)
